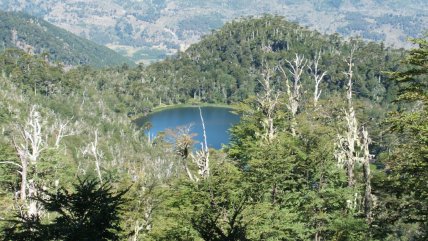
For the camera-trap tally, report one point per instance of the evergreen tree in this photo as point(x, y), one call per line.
point(92, 212)
point(407, 166)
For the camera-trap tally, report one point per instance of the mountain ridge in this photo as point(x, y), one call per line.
point(146, 30)
point(36, 36)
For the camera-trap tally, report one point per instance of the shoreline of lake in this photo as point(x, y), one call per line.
point(177, 106)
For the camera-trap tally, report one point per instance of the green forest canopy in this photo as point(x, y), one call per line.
point(40, 37)
point(281, 178)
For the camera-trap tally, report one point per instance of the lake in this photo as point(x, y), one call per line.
point(217, 122)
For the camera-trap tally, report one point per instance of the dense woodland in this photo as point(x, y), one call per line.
point(36, 36)
point(149, 30)
point(332, 143)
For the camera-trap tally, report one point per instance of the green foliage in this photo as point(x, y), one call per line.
point(289, 187)
point(225, 66)
point(212, 209)
point(91, 212)
point(219, 204)
point(78, 98)
point(38, 36)
point(405, 182)
point(297, 188)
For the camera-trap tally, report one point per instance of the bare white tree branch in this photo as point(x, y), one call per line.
point(293, 90)
point(317, 77)
point(268, 101)
point(93, 150)
point(201, 157)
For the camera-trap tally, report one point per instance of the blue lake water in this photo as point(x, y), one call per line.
point(217, 122)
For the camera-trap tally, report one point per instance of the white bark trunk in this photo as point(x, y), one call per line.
point(62, 129)
point(347, 144)
point(201, 157)
point(92, 149)
point(97, 155)
point(293, 91)
point(33, 204)
point(268, 102)
point(317, 77)
point(368, 200)
point(206, 165)
point(29, 145)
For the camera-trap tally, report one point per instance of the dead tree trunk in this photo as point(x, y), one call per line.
point(206, 167)
point(201, 158)
point(368, 201)
point(29, 143)
point(347, 144)
point(23, 170)
point(317, 77)
point(354, 147)
point(293, 91)
point(97, 154)
point(268, 102)
point(31, 148)
point(93, 150)
point(62, 129)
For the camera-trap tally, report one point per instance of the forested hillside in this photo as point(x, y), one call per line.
point(226, 65)
point(331, 145)
point(151, 30)
point(36, 36)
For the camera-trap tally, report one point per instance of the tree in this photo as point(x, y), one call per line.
point(407, 164)
point(29, 143)
point(219, 205)
point(268, 103)
point(353, 148)
point(348, 144)
point(202, 157)
point(92, 212)
point(317, 77)
point(94, 150)
point(297, 190)
point(293, 91)
point(212, 209)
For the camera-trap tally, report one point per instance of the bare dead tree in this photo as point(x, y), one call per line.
point(29, 142)
point(353, 146)
point(93, 150)
point(97, 154)
point(31, 133)
point(62, 129)
point(368, 199)
point(268, 102)
point(201, 157)
point(348, 143)
point(318, 77)
point(32, 143)
point(23, 169)
point(293, 90)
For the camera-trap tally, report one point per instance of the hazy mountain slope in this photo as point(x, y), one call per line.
point(150, 29)
point(33, 35)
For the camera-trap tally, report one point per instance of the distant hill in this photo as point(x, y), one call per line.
point(151, 30)
point(36, 36)
point(226, 66)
